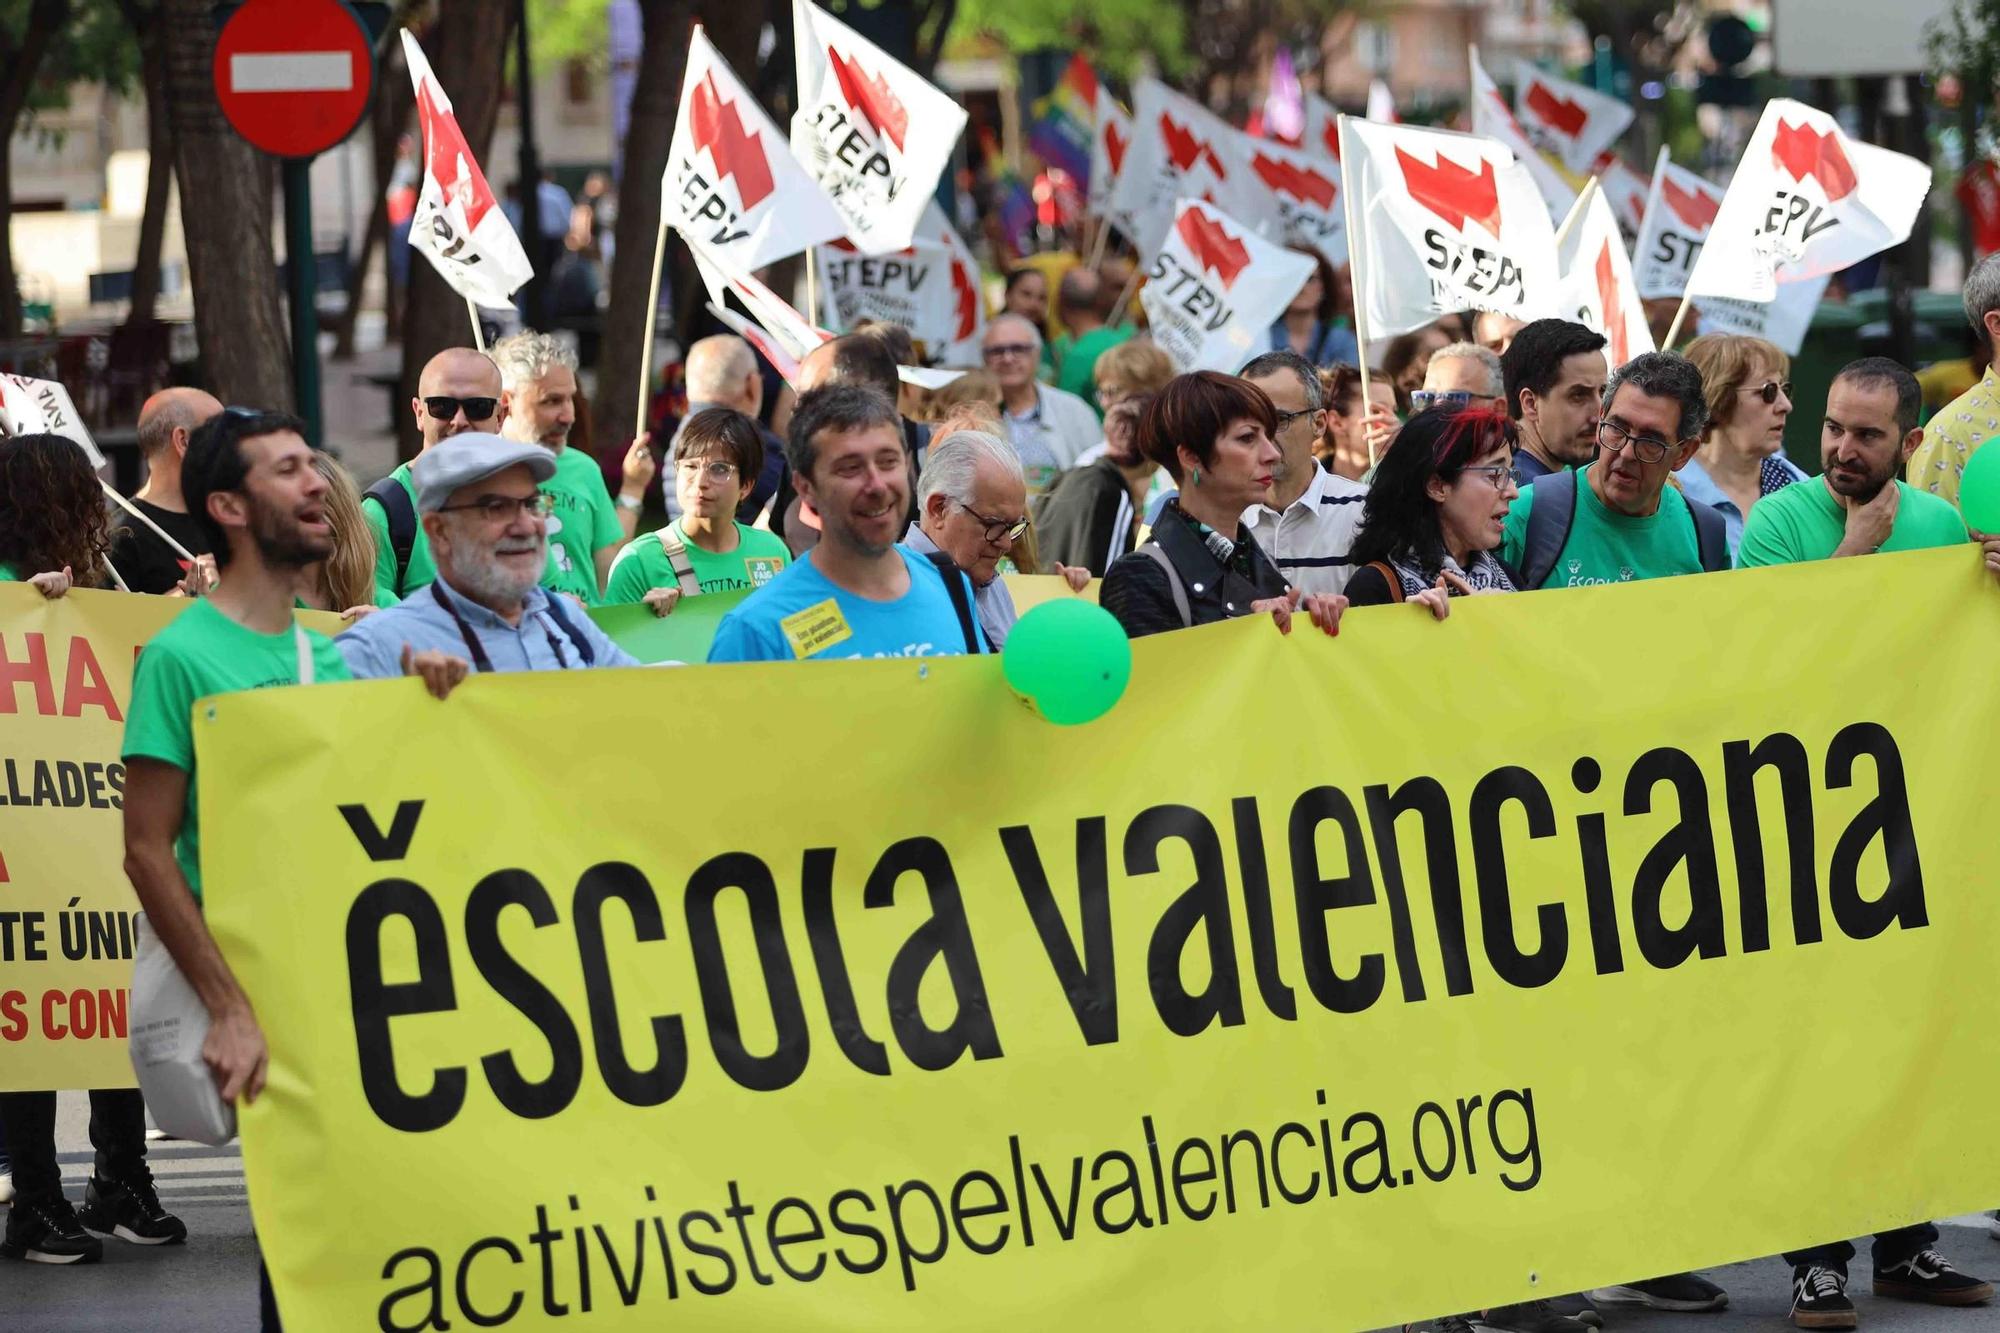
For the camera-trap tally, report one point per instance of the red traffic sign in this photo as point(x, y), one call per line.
point(293, 76)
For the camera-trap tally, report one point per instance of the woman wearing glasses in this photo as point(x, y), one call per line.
point(1436, 510)
point(716, 461)
point(1213, 433)
point(1747, 382)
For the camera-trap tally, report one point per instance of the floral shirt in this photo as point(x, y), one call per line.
point(1961, 426)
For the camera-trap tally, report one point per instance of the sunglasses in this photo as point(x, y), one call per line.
point(1770, 389)
point(442, 408)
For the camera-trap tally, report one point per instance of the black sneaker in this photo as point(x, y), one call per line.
point(47, 1233)
point(1684, 1292)
point(1929, 1278)
point(1449, 1323)
point(1577, 1306)
point(1819, 1298)
point(130, 1210)
point(1528, 1317)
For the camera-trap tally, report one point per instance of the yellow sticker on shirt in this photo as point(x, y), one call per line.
point(818, 627)
point(762, 569)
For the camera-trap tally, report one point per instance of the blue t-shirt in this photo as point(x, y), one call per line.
point(800, 614)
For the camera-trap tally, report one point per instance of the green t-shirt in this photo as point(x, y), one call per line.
point(643, 565)
point(584, 519)
point(1076, 362)
point(7, 575)
point(203, 652)
point(1805, 522)
point(1606, 546)
point(422, 570)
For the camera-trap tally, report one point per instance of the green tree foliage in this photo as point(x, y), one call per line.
point(1115, 33)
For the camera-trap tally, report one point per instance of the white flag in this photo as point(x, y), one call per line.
point(1597, 287)
point(1322, 132)
point(911, 287)
point(731, 181)
point(793, 331)
point(1179, 150)
point(1805, 201)
point(1576, 123)
point(875, 135)
point(1492, 119)
point(1625, 188)
point(1680, 209)
point(43, 407)
point(1782, 320)
point(1215, 289)
point(961, 344)
point(457, 225)
point(1109, 143)
point(1298, 198)
point(1381, 104)
point(1446, 222)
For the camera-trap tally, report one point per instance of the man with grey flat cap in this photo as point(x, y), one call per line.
point(487, 524)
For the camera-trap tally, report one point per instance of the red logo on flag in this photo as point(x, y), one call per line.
point(1115, 144)
point(872, 98)
point(449, 161)
point(1184, 149)
point(1613, 308)
point(1804, 151)
point(967, 295)
point(1330, 134)
point(1694, 207)
point(1556, 112)
point(737, 152)
point(1212, 246)
point(1298, 182)
point(1453, 192)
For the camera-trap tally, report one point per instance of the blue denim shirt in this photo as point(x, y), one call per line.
point(543, 641)
point(1774, 474)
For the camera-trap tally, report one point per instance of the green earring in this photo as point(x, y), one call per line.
point(1195, 477)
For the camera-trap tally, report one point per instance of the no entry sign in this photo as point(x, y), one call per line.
point(293, 76)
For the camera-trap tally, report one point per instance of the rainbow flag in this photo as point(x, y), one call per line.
point(1065, 120)
point(1017, 211)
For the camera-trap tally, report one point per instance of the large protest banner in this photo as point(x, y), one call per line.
point(1241, 1007)
point(66, 907)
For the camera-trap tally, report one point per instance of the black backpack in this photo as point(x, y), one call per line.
point(1554, 512)
point(402, 516)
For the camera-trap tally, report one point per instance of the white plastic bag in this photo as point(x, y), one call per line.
point(169, 1024)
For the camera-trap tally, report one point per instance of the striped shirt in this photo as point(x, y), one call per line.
point(1311, 541)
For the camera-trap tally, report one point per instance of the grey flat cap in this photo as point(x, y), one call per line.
point(451, 465)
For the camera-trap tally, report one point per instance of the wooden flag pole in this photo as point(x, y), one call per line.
point(1119, 313)
point(135, 512)
point(1097, 245)
point(1674, 329)
point(1576, 211)
point(647, 329)
point(1356, 247)
point(478, 329)
point(812, 285)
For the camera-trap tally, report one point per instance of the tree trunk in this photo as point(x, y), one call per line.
point(468, 65)
point(159, 171)
point(628, 320)
point(226, 192)
point(19, 63)
point(388, 117)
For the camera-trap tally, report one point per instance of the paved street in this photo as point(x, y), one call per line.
point(210, 1285)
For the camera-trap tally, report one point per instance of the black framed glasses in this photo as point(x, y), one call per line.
point(501, 508)
point(1646, 448)
point(443, 407)
point(1422, 400)
point(1285, 419)
point(999, 531)
point(1000, 351)
point(1770, 389)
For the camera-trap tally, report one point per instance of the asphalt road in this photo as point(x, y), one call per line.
point(210, 1284)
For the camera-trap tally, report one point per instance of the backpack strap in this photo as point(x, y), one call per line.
point(1711, 537)
point(961, 601)
point(1174, 585)
point(1390, 577)
point(569, 628)
point(402, 519)
point(677, 557)
point(1549, 521)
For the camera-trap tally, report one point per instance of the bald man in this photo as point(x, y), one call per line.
point(147, 562)
point(722, 371)
point(458, 391)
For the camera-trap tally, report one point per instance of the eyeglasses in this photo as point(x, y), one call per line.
point(444, 408)
point(1424, 399)
point(1001, 351)
point(719, 472)
point(501, 508)
point(1770, 389)
point(1285, 419)
point(1646, 448)
point(1497, 475)
point(999, 531)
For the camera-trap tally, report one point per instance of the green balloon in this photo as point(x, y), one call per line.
point(1979, 489)
point(1069, 658)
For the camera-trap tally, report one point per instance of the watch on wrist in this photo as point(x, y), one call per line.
point(630, 502)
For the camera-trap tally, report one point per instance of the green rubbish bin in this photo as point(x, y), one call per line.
point(1832, 340)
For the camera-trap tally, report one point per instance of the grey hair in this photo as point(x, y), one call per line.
point(1273, 363)
point(526, 356)
point(1664, 375)
point(952, 465)
point(1982, 292)
point(717, 365)
point(1023, 321)
point(1488, 359)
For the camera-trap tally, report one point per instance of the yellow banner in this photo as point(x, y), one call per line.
point(65, 905)
point(1322, 983)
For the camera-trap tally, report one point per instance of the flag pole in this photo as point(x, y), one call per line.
point(812, 285)
point(1356, 246)
point(1674, 329)
point(1125, 295)
point(478, 329)
point(135, 512)
point(1097, 245)
point(1576, 211)
point(648, 329)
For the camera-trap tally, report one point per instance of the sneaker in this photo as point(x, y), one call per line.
point(1929, 1278)
point(47, 1233)
point(1528, 1317)
point(1819, 1298)
point(1578, 1307)
point(1449, 1323)
point(6, 1187)
point(1993, 1227)
point(130, 1210)
point(1684, 1292)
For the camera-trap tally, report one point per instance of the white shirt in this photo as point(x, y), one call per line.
point(1052, 435)
point(1310, 542)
